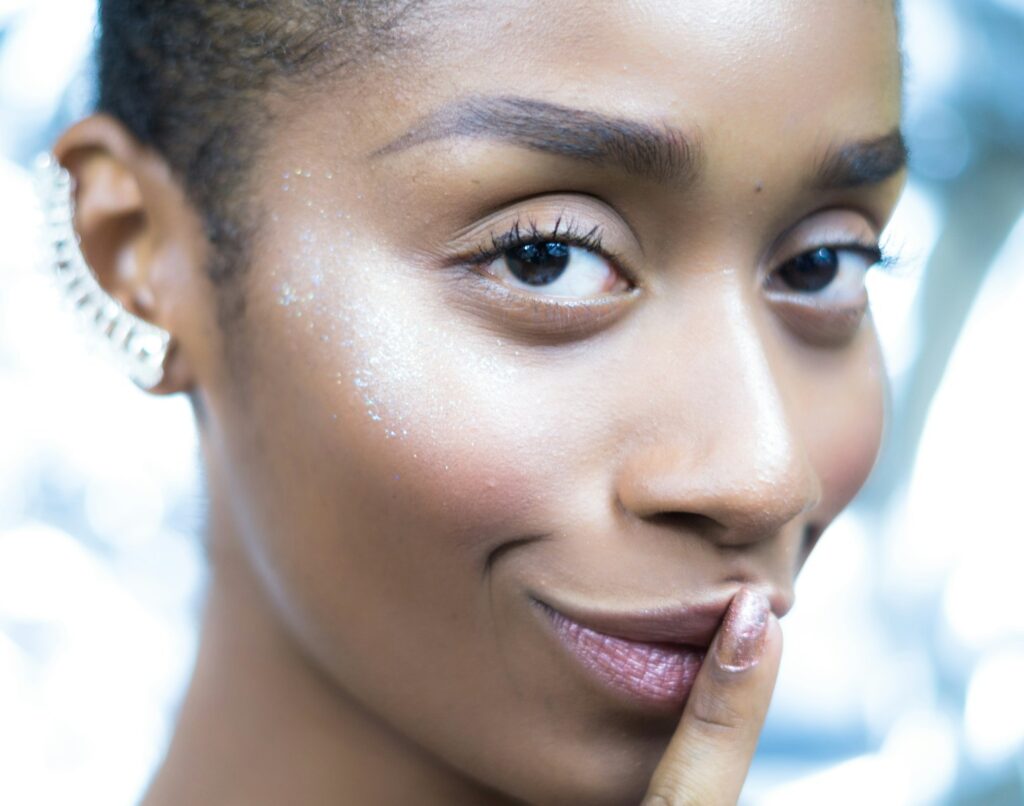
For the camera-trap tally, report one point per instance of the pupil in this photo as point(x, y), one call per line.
point(538, 263)
point(812, 271)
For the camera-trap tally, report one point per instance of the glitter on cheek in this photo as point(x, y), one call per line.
point(423, 369)
point(404, 363)
point(286, 295)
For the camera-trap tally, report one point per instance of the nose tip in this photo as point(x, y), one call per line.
point(734, 500)
point(732, 462)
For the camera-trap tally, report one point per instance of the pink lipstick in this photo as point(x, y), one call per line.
point(630, 654)
point(651, 655)
point(661, 672)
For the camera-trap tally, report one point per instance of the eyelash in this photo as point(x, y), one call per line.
point(880, 257)
point(570, 233)
point(565, 232)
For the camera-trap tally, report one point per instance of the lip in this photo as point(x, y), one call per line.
point(650, 657)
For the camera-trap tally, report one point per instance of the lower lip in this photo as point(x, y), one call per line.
point(659, 674)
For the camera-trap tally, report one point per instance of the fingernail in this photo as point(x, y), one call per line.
point(741, 638)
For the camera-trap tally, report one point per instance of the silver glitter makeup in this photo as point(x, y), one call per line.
point(361, 308)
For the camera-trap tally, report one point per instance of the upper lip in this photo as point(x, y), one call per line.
point(693, 624)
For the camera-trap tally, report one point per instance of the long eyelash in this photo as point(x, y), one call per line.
point(566, 232)
point(888, 261)
point(876, 253)
point(881, 257)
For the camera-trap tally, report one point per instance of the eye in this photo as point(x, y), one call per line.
point(822, 294)
point(559, 269)
point(545, 274)
point(831, 274)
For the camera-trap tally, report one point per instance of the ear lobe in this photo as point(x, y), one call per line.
point(128, 211)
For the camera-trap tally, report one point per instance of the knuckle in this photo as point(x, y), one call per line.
point(716, 713)
point(683, 796)
point(675, 789)
point(693, 793)
point(666, 799)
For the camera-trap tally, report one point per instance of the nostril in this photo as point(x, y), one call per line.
point(687, 521)
point(714, 492)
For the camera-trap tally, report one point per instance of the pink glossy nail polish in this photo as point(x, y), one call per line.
point(741, 637)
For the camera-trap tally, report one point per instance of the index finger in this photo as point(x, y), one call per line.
point(707, 760)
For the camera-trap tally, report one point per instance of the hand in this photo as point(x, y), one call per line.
point(708, 757)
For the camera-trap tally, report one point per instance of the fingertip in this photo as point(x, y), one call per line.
point(726, 709)
point(739, 644)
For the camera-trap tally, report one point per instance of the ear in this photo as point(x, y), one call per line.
point(141, 237)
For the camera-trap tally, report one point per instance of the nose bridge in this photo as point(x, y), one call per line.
point(733, 453)
point(760, 448)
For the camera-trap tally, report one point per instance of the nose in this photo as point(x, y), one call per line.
point(727, 459)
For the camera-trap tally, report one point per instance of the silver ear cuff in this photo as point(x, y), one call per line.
point(139, 347)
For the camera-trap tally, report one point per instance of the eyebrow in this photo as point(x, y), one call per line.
point(662, 153)
point(866, 162)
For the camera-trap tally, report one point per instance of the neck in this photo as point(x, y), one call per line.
point(261, 724)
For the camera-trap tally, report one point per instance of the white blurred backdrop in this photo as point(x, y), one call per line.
point(903, 676)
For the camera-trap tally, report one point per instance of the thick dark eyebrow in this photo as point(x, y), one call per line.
point(866, 162)
point(664, 153)
point(660, 153)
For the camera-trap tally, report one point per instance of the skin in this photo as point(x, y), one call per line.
point(398, 453)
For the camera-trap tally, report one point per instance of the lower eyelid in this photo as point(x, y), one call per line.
point(819, 323)
point(535, 317)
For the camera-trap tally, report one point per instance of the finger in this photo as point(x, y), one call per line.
point(710, 753)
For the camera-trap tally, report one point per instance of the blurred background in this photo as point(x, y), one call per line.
point(903, 677)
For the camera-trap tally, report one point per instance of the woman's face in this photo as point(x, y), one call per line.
point(564, 304)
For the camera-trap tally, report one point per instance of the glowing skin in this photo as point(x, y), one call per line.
point(402, 450)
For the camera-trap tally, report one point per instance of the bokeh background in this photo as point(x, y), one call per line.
point(903, 677)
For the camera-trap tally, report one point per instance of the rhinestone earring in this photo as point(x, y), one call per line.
point(139, 347)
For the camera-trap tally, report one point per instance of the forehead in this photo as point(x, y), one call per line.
point(759, 78)
point(712, 63)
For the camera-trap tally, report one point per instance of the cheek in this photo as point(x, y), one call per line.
point(399, 452)
point(845, 441)
point(387, 451)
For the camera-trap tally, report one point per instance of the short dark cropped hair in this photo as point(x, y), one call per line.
point(190, 79)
